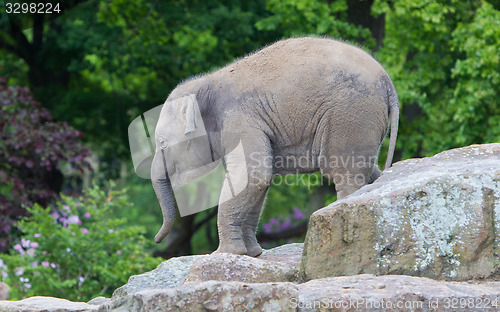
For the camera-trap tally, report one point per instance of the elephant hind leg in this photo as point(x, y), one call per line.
point(250, 227)
point(352, 175)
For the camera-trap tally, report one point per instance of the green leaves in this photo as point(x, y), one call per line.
point(476, 93)
point(308, 17)
point(443, 58)
point(77, 250)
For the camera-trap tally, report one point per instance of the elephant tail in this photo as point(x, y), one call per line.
point(393, 104)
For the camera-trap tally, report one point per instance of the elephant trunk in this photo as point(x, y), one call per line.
point(165, 194)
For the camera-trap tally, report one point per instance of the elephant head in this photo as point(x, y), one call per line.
point(183, 153)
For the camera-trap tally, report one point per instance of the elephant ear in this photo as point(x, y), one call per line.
point(141, 141)
point(191, 111)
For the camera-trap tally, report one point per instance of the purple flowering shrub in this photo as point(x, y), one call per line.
point(77, 250)
point(283, 229)
point(283, 223)
point(32, 149)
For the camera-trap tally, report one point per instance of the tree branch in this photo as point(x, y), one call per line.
point(206, 219)
point(37, 31)
point(24, 48)
point(293, 231)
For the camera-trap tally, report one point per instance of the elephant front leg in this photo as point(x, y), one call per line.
point(237, 222)
point(241, 201)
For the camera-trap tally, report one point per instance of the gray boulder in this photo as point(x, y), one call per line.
point(289, 254)
point(282, 262)
point(229, 267)
point(209, 296)
point(367, 292)
point(45, 304)
point(364, 292)
point(436, 217)
point(170, 273)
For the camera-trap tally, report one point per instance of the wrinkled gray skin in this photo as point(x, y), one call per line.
point(310, 97)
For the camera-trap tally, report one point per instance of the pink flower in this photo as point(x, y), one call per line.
point(19, 271)
point(25, 243)
point(118, 252)
point(285, 225)
point(34, 245)
point(53, 265)
point(66, 207)
point(298, 214)
point(87, 215)
point(267, 227)
point(45, 264)
point(19, 249)
point(73, 220)
point(85, 231)
point(37, 235)
point(54, 215)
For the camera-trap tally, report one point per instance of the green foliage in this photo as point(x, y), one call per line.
point(443, 59)
point(309, 17)
point(206, 239)
point(144, 209)
point(77, 251)
point(475, 96)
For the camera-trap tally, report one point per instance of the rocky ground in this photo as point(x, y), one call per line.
point(436, 217)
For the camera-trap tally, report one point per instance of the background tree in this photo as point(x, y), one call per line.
point(33, 152)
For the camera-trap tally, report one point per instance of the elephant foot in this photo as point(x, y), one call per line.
point(251, 243)
point(254, 250)
point(234, 248)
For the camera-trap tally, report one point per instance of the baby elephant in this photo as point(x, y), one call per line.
point(298, 106)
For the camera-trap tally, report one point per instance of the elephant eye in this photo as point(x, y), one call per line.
point(163, 143)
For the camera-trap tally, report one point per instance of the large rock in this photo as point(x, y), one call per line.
point(436, 217)
point(395, 293)
point(209, 296)
point(351, 293)
point(289, 254)
point(282, 265)
point(170, 273)
point(229, 267)
point(45, 304)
